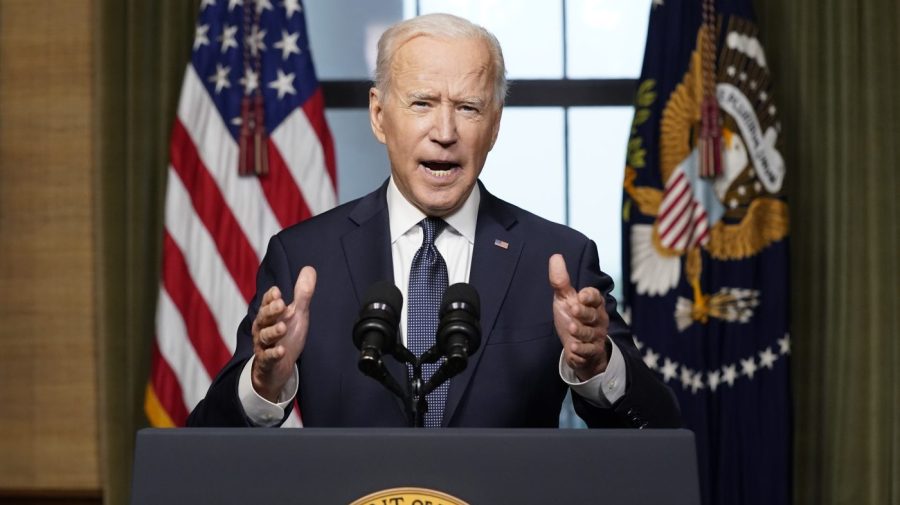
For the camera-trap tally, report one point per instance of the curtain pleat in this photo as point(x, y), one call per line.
point(141, 53)
point(836, 70)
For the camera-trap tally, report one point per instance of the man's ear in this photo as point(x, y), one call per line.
point(496, 129)
point(376, 113)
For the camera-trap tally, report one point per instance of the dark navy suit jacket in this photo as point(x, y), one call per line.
point(513, 378)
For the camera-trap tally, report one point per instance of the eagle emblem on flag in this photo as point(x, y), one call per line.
point(732, 215)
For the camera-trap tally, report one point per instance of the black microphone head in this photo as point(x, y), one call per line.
point(461, 296)
point(459, 330)
point(384, 293)
point(379, 317)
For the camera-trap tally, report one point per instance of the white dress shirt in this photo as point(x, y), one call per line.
point(456, 244)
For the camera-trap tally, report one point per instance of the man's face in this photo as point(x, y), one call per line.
point(438, 120)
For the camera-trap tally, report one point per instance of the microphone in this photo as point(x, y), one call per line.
point(375, 332)
point(459, 331)
point(458, 335)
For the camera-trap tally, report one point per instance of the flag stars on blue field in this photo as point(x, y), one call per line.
point(264, 53)
point(687, 377)
point(784, 345)
point(284, 84)
point(767, 358)
point(650, 359)
point(220, 78)
point(713, 378)
point(288, 44)
point(669, 370)
point(263, 5)
point(729, 374)
point(250, 81)
point(748, 367)
point(291, 7)
point(698, 380)
point(256, 40)
point(200, 36)
point(228, 38)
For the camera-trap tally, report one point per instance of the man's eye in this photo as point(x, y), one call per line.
point(420, 104)
point(468, 108)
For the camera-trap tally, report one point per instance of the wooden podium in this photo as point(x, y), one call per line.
point(262, 466)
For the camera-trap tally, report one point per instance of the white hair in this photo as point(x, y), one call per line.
point(446, 26)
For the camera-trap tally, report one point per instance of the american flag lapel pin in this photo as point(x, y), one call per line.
point(502, 244)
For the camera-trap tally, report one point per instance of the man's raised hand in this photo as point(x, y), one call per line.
point(581, 322)
point(279, 335)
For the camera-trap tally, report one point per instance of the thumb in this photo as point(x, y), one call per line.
point(304, 288)
point(559, 277)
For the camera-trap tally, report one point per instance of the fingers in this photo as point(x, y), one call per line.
point(589, 310)
point(559, 277)
point(270, 309)
point(266, 358)
point(271, 295)
point(585, 314)
point(270, 335)
point(587, 358)
point(582, 353)
point(591, 297)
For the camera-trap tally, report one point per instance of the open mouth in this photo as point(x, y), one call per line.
point(440, 168)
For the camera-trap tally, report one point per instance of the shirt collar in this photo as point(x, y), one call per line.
point(403, 215)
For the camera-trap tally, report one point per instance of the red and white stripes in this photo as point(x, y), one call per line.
point(217, 225)
point(682, 222)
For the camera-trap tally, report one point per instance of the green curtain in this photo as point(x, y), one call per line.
point(836, 65)
point(142, 47)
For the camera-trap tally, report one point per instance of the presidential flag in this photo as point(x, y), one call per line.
point(705, 227)
point(250, 154)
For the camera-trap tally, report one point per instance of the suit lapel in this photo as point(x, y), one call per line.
point(496, 253)
point(367, 251)
point(367, 248)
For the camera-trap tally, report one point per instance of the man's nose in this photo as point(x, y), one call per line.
point(443, 130)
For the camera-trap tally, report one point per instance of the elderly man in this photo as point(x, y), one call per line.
point(548, 320)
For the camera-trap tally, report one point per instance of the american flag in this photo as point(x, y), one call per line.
point(233, 184)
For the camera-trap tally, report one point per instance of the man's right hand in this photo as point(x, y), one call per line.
point(279, 334)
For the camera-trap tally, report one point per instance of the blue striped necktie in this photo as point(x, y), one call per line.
point(427, 283)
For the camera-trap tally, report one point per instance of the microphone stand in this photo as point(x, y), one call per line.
point(415, 398)
point(417, 404)
point(415, 401)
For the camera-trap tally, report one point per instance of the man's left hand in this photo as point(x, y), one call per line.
point(581, 322)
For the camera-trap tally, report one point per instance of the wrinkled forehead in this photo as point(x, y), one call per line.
point(460, 60)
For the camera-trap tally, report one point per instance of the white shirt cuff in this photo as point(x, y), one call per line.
point(603, 389)
point(260, 411)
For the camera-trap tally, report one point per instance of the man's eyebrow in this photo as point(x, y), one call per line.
point(472, 100)
point(420, 95)
point(427, 96)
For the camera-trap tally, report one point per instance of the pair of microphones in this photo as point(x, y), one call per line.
point(376, 335)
